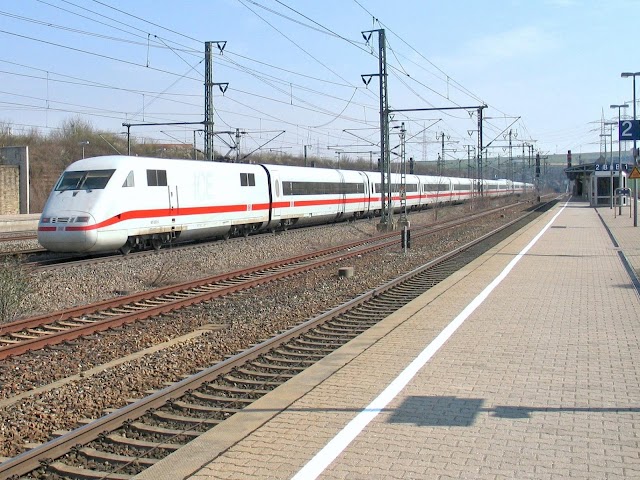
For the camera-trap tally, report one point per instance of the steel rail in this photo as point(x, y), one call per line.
point(169, 305)
point(44, 319)
point(26, 328)
point(16, 236)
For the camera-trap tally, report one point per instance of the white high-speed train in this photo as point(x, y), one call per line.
point(123, 203)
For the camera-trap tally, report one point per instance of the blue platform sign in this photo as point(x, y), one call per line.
point(629, 130)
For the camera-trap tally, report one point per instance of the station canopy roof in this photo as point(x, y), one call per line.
point(578, 170)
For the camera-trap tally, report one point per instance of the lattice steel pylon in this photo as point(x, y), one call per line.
point(384, 131)
point(603, 139)
point(403, 177)
point(208, 101)
point(208, 96)
point(386, 221)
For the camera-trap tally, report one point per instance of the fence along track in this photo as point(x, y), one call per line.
point(129, 440)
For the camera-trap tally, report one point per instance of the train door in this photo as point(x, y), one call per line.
point(343, 194)
point(367, 193)
point(276, 195)
point(173, 198)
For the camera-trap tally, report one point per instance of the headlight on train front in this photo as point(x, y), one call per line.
point(45, 220)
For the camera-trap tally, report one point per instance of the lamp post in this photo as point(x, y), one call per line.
point(83, 144)
point(619, 107)
point(635, 159)
point(610, 170)
point(610, 135)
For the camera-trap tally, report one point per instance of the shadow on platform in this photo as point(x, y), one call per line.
point(462, 412)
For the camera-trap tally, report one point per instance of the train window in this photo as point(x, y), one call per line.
point(84, 180)
point(70, 181)
point(396, 187)
point(129, 180)
point(247, 180)
point(408, 187)
point(435, 187)
point(157, 178)
point(321, 188)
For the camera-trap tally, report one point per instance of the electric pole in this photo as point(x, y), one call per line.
point(238, 144)
point(208, 96)
point(480, 148)
point(385, 157)
point(305, 154)
point(403, 178)
point(469, 147)
point(511, 176)
point(208, 102)
point(440, 157)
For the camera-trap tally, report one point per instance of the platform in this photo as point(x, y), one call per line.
point(19, 223)
point(525, 364)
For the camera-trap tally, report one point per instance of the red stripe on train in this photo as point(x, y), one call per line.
point(187, 211)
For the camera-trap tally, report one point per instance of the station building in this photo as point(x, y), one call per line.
point(600, 183)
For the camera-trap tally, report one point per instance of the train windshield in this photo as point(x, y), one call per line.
point(84, 180)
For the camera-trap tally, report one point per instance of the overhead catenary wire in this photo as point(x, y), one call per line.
point(184, 76)
point(338, 106)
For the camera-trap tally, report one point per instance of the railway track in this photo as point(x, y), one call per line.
point(128, 440)
point(17, 236)
point(40, 332)
point(10, 251)
point(41, 259)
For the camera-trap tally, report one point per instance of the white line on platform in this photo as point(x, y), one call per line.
point(336, 446)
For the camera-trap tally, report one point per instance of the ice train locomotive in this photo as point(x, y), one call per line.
point(123, 203)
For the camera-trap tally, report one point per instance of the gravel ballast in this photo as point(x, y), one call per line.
point(239, 320)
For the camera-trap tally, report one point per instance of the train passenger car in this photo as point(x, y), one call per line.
point(435, 189)
point(412, 190)
point(461, 189)
point(409, 191)
point(492, 188)
point(304, 196)
point(503, 187)
point(520, 187)
point(112, 202)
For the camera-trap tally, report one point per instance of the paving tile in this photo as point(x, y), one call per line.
point(541, 381)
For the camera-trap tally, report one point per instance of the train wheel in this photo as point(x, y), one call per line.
point(156, 243)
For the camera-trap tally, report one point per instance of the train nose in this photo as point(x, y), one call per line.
point(67, 232)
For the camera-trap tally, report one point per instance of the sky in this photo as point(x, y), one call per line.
point(547, 71)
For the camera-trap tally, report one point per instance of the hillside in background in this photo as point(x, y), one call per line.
point(50, 154)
